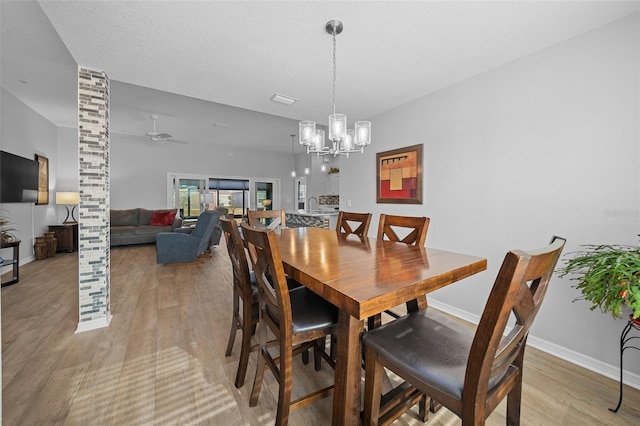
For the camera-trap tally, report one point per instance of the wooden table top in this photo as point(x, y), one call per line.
point(365, 276)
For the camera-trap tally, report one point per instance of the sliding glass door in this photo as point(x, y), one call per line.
point(186, 196)
point(232, 194)
point(193, 194)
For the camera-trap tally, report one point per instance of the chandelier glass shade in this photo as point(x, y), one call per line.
point(342, 141)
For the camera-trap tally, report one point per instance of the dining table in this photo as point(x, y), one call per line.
point(363, 277)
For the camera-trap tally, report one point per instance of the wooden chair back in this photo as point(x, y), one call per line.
point(418, 226)
point(347, 219)
point(267, 218)
point(237, 255)
point(270, 276)
point(517, 294)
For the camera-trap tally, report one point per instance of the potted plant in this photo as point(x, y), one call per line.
point(6, 233)
point(608, 276)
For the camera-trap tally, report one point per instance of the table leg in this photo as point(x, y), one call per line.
point(346, 391)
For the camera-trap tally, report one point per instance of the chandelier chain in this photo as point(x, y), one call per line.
point(334, 72)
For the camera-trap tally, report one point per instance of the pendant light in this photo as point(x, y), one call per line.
point(343, 141)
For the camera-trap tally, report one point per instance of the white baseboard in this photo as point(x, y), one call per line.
point(93, 324)
point(592, 364)
point(26, 260)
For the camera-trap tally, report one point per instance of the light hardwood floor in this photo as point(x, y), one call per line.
point(161, 361)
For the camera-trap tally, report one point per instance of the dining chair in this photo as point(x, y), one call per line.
point(415, 229)
point(468, 371)
point(348, 219)
point(299, 318)
point(270, 219)
point(245, 293)
point(417, 226)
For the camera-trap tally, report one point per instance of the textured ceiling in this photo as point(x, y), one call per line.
point(240, 53)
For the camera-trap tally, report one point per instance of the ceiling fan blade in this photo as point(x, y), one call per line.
point(170, 140)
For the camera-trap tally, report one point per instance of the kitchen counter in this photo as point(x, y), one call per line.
point(316, 218)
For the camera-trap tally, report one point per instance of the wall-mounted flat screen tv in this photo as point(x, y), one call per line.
point(18, 179)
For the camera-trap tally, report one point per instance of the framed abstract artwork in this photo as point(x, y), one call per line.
point(43, 180)
point(399, 176)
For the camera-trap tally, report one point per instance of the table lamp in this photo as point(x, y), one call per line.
point(67, 199)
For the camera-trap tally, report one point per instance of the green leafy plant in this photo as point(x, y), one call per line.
point(6, 233)
point(608, 276)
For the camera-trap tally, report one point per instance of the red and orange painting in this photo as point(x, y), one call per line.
point(399, 175)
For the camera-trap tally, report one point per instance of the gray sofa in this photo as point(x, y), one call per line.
point(132, 226)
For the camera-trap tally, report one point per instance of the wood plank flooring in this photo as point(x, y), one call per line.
point(161, 361)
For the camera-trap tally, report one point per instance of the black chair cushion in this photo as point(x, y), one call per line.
point(310, 311)
point(432, 347)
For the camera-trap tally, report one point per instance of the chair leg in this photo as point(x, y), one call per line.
point(284, 391)
point(423, 411)
point(245, 349)
point(319, 345)
point(257, 381)
point(514, 399)
point(374, 321)
point(234, 322)
point(305, 357)
point(372, 389)
point(333, 347)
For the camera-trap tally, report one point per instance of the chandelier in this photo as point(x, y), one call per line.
point(342, 140)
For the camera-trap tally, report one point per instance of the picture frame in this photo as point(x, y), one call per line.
point(399, 175)
point(43, 180)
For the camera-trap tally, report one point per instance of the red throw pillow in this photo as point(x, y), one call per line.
point(169, 218)
point(162, 218)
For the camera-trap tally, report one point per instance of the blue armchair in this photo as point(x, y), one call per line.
point(183, 246)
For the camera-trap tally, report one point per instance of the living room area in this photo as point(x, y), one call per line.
point(542, 141)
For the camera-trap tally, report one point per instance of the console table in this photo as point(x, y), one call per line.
point(67, 236)
point(14, 261)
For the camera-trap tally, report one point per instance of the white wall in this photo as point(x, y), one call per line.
point(26, 133)
point(545, 145)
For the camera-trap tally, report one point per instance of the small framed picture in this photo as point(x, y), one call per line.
point(43, 180)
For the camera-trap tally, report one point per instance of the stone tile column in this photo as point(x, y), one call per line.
point(93, 219)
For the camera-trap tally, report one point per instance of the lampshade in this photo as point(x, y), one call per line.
point(69, 198)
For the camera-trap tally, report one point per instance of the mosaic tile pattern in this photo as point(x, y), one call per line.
point(329, 199)
point(300, 221)
point(93, 156)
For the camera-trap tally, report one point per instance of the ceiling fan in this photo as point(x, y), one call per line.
point(157, 136)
